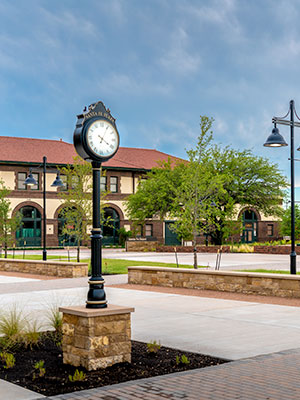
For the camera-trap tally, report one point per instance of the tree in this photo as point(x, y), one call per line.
point(248, 180)
point(192, 206)
point(155, 193)
point(8, 225)
point(78, 207)
point(285, 225)
point(223, 177)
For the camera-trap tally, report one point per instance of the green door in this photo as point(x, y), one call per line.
point(249, 227)
point(30, 232)
point(171, 238)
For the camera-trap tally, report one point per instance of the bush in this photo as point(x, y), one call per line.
point(153, 347)
point(123, 236)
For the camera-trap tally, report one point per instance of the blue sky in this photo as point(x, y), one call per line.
point(157, 64)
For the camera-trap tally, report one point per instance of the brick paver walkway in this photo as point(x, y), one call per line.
point(274, 377)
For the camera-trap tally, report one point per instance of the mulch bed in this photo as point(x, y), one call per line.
point(56, 380)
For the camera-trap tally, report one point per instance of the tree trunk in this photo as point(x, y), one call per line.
point(195, 254)
point(5, 250)
point(78, 253)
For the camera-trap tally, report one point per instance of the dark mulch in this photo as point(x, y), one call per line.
point(56, 379)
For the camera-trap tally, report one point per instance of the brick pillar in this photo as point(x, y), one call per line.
point(96, 338)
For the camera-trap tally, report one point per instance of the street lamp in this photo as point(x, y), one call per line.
point(276, 140)
point(30, 181)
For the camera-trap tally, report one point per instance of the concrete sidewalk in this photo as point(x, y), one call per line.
point(224, 328)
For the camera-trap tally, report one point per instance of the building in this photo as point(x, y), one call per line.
point(123, 172)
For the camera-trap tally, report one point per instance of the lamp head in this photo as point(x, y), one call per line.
point(30, 181)
point(58, 182)
point(275, 139)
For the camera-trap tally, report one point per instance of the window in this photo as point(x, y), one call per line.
point(36, 177)
point(21, 179)
point(114, 184)
point(270, 229)
point(103, 183)
point(149, 230)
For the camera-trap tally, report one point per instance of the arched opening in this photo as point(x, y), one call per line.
point(29, 234)
point(63, 238)
point(249, 226)
point(110, 227)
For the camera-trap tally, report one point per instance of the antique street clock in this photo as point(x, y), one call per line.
point(96, 139)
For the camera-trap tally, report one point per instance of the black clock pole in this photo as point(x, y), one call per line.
point(96, 297)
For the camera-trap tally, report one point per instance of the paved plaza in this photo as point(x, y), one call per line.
point(262, 339)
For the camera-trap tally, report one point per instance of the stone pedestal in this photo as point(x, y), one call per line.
point(96, 338)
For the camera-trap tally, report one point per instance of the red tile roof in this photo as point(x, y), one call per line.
point(16, 149)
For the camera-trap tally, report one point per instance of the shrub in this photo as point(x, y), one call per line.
point(78, 376)
point(32, 335)
point(153, 347)
point(54, 317)
point(182, 360)
point(39, 365)
point(12, 326)
point(123, 236)
point(8, 359)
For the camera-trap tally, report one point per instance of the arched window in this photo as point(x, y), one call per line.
point(30, 232)
point(111, 226)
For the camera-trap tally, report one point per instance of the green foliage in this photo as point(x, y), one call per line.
point(78, 376)
point(242, 248)
point(155, 193)
point(77, 211)
point(31, 335)
point(182, 360)
point(215, 175)
point(8, 359)
point(8, 224)
point(123, 235)
point(40, 366)
point(54, 317)
point(12, 326)
point(153, 347)
point(285, 225)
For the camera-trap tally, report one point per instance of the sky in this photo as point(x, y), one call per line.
point(157, 64)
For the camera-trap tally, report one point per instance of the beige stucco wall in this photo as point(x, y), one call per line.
point(8, 178)
point(50, 178)
point(51, 204)
point(126, 185)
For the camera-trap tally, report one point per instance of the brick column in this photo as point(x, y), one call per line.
point(96, 338)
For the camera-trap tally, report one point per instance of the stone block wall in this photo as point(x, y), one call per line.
point(141, 245)
point(189, 249)
point(49, 268)
point(225, 281)
point(275, 249)
point(96, 338)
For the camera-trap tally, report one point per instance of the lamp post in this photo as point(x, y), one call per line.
point(30, 181)
point(276, 140)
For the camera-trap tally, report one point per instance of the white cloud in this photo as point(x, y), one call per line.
point(178, 57)
point(133, 86)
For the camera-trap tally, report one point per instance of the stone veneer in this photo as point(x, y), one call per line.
point(50, 268)
point(96, 338)
point(225, 281)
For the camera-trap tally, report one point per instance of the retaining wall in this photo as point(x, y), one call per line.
point(225, 281)
point(50, 268)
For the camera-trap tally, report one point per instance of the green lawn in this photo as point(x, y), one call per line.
point(109, 265)
point(267, 271)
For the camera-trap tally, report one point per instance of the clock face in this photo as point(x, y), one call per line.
point(102, 138)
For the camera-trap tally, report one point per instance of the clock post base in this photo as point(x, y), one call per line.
point(96, 297)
